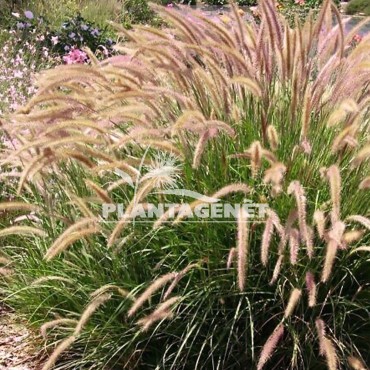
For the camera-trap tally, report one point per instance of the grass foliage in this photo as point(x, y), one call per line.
point(275, 114)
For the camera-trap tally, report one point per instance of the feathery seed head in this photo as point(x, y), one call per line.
point(270, 346)
point(293, 301)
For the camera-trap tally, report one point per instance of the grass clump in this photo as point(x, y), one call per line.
point(358, 6)
point(274, 114)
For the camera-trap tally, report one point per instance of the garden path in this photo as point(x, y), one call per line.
point(17, 351)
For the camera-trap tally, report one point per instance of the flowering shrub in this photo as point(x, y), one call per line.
point(19, 61)
point(309, 4)
point(27, 22)
point(30, 46)
point(76, 33)
point(139, 12)
point(291, 9)
point(75, 56)
point(73, 34)
point(239, 2)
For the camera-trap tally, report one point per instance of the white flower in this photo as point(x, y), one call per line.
point(54, 40)
point(164, 171)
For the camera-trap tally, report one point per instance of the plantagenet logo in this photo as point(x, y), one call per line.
point(161, 178)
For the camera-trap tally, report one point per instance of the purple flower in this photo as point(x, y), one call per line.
point(66, 48)
point(84, 27)
point(72, 35)
point(28, 14)
point(95, 32)
point(20, 25)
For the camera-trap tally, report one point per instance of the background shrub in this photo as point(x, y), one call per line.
point(358, 6)
point(138, 11)
point(96, 12)
point(239, 2)
point(77, 32)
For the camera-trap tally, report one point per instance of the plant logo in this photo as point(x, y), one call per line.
point(161, 178)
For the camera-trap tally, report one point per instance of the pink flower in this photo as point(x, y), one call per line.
point(300, 2)
point(13, 106)
point(170, 5)
point(75, 56)
point(357, 38)
point(18, 74)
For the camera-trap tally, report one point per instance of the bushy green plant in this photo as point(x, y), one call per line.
point(27, 27)
point(138, 12)
point(265, 112)
point(358, 6)
point(77, 32)
point(56, 11)
point(239, 2)
point(312, 3)
point(293, 9)
point(73, 33)
point(25, 51)
point(5, 14)
point(99, 12)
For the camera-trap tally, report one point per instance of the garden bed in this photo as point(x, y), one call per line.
point(17, 344)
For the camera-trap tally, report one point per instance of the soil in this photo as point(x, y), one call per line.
point(17, 344)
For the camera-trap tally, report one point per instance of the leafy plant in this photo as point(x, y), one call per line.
point(239, 2)
point(21, 58)
point(74, 33)
point(275, 114)
point(56, 11)
point(138, 12)
point(77, 32)
point(295, 6)
point(358, 6)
